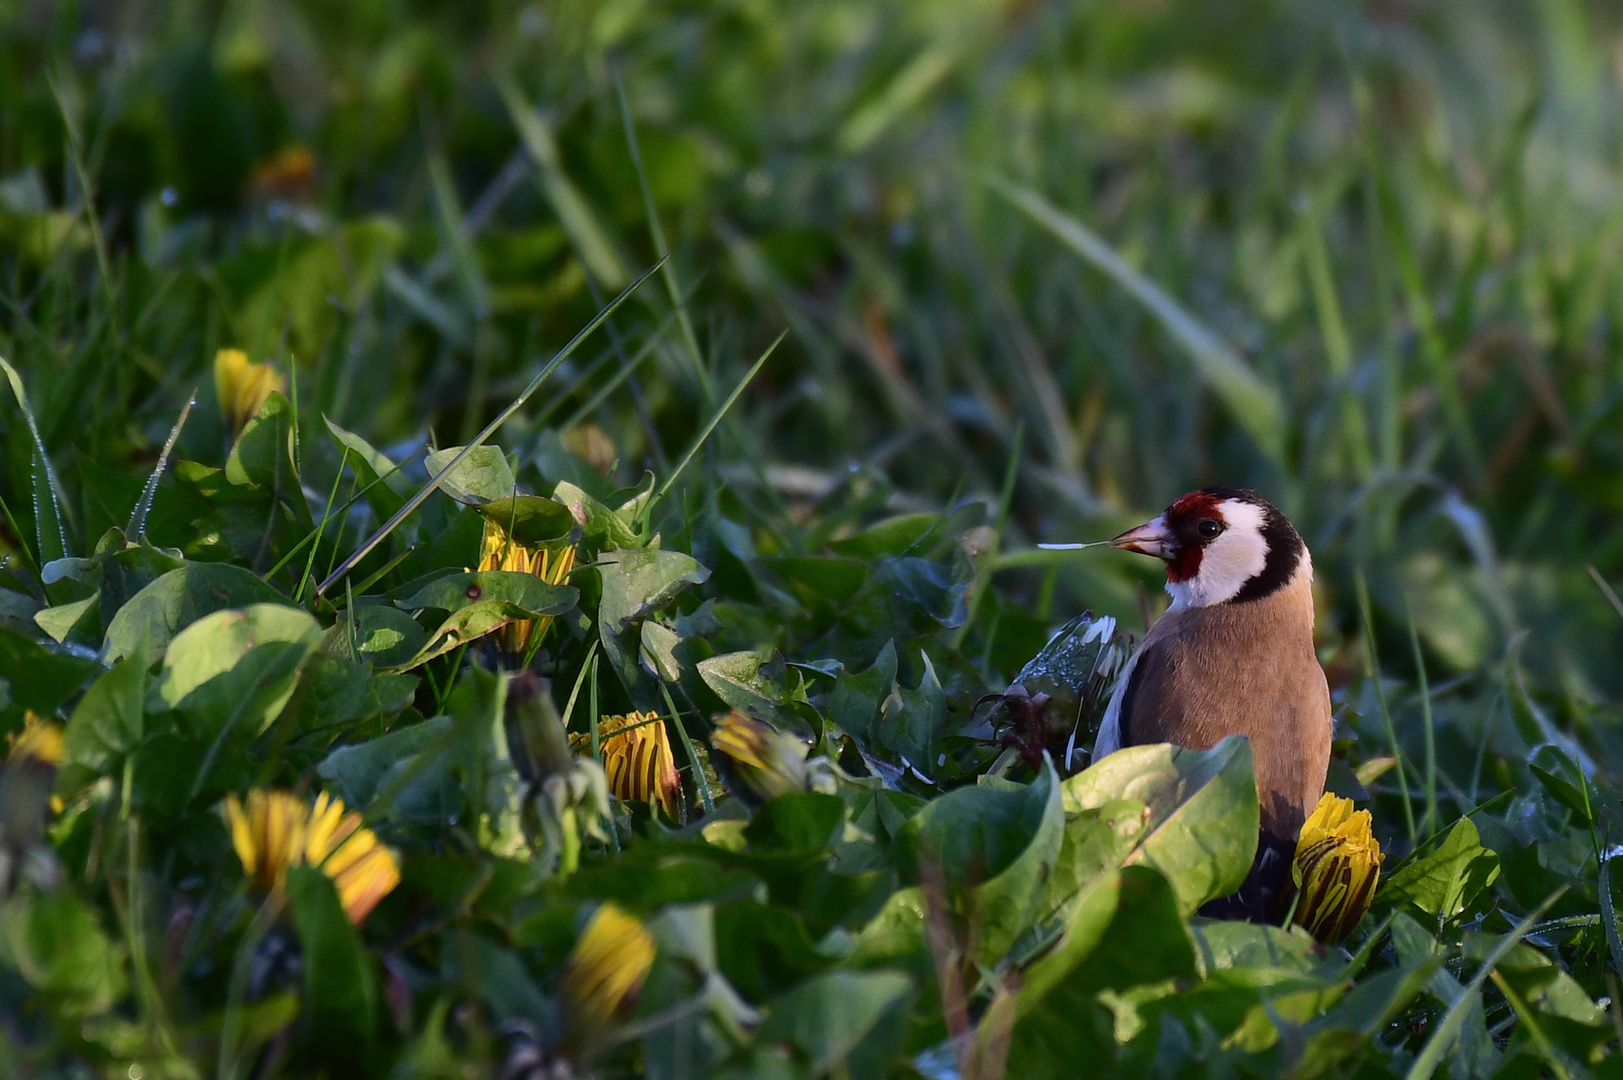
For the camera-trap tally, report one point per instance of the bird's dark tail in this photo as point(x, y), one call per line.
point(1258, 898)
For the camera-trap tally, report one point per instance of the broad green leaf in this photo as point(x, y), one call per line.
point(340, 987)
point(482, 477)
point(370, 464)
point(1363, 1014)
point(1009, 904)
point(178, 599)
point(844, 1018)
point(524, 591)
point(929, 587)
point(798, 821)
point(238, 665)
point(1097, 841)
point(1442, 882)
point(1222, 944)
point(657, 647)
point(602, 528)
point(364, 769)
point(1125, 932)
point(972, 835)
point(59, 620)
point(891, 537)
point(57, 944)
point(737, 679)
point(529, 519)
point(915, 720)
point(1204, 815)
point(856, 699)
point(1561, 776)
point(38, 678)
point(263, 455)
point(764, 949)
point(107, 724)
point(377, 634)
point(503, 983)
point(820, 582)
point(478, 618)
point(637, 581)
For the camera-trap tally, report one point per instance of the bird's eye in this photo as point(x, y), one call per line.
point(1209, 528)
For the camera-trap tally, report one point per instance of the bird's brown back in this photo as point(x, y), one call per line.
point(1246, 668)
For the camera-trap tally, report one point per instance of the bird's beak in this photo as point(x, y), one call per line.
point(1150, 538)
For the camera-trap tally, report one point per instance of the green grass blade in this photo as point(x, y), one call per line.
point(699, 779)
point(1255, 405)
point(906, 89)
point(673, 285)
point(1608, 914)
point(1386, 713)
point(491, 428)
point(1338, 350)
point(1443, 1036)
point(710, 426)
point(137, 528)
point(1426, 720)
point(575, 214)
point(1433, 349)
point(53, 542)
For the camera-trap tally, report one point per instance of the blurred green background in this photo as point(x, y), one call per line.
point(1361, 256)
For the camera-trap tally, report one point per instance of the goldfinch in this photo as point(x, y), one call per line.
point(1233, 654)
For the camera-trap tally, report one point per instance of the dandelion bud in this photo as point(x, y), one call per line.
point(638, 761)
point(758, 761)
point(243, 387)
point(605, 970)
point(1337, 866)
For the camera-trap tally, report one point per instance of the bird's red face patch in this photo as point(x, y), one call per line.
point(1181, 518)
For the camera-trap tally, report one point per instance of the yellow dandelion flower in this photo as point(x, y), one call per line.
point(759, 761)
point(276, 831)
point(243, 387)
point(638, 761)
point(39, 740)
point(499, 551)
point(1337, 866)
point(606, 969)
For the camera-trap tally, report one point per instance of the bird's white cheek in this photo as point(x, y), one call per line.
point(1227, 563)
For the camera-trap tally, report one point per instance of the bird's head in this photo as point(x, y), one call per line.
point(1221, 545)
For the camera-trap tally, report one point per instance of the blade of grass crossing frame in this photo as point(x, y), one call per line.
point(321, 529)
point(1426, 722)
point(673, 285)
point(700, 781)
point(51, 536)
point(1255, 405)
point(1380, 698)
point(1338, 351)
point(490, 429)
point(575, 214)
point(710, 426)
point(1443, 1035)
point(1606, 591)
point(1011, 473)
point(1433, 349)
point(595, 717)
point(1608, 914)
point(138, 517)
point(1526, 1017)
point(574, 693)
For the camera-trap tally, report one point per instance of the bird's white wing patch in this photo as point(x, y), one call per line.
point(1109, 740)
